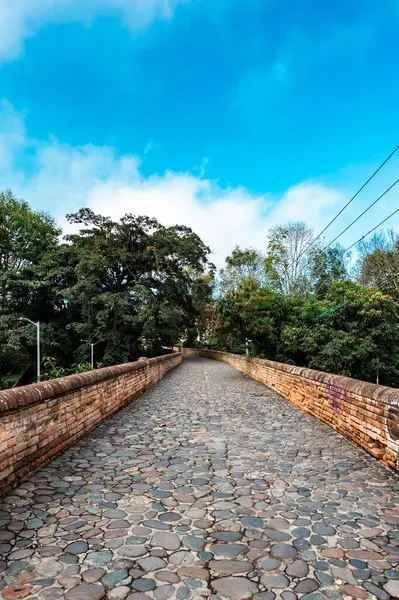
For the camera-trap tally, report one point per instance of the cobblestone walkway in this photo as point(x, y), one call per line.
point(209, 485)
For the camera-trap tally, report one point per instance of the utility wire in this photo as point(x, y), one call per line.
point(355, 243)
point(347, 204)
point(360, 216)
point(346, 228)
point(371, 230)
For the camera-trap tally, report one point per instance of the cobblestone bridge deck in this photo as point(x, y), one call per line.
point(208, 485)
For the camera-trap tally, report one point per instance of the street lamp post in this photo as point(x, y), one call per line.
point(92, 350)
point(37, 325)
point(247, 341)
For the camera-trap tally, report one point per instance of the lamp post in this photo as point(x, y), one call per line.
point(247, 341)
point(37, 325)
point(92, 350)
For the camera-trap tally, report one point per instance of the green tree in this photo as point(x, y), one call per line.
point(25, 238)
point(379, 262)
point(242, 265)
point(357, 340)
point(360, 339)
point(327, 266)
point(288, 263)
point(295, 269)
point(251, 313)
point(133, 282)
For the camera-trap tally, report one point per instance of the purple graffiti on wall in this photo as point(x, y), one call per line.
point(335, 394)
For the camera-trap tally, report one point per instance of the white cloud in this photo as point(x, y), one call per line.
point(308, 202)
point(222, 218)
point(20, 19)
point(65, 178)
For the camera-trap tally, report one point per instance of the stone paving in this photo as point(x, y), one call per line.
point(207, 486)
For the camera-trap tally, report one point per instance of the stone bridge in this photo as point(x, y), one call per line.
point(208, 485)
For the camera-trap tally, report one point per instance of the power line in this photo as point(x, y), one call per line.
point(347, 204)
point(355, 243)
point(360, 216)
point(350, 225)
point(371, 230)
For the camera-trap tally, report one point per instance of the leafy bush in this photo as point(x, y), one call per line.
point(54, 371)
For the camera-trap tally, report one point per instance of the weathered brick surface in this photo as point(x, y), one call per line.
point(365, 413)
point(38, 421)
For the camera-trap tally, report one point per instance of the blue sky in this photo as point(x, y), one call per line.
point(230, 116)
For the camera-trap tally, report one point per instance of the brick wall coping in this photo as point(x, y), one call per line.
point(371, 391)
point(37, 393)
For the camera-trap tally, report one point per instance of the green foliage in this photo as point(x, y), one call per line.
point(52, 370)
point(328, 266)
point(136, 287)
point(252, 313)
point(295, 269)
point(358, 340)
point(8, 382)
point(241, 265)
point(379, 262)
point(133, 284)
point(26, 236)
point(279, 317)
point(288, 264)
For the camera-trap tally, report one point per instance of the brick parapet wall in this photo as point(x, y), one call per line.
point(365, 413)
point(38, 421)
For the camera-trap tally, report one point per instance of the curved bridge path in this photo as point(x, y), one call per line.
point(208, 485)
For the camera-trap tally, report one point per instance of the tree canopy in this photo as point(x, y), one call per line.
point(132, 285)
point(305, 309)
point(379, 262)
point(26, 237)
point(242, 265)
